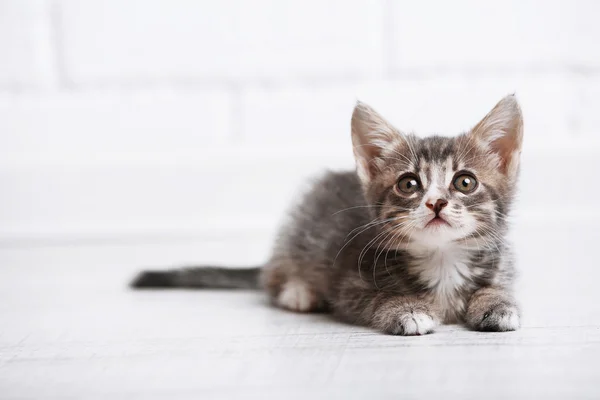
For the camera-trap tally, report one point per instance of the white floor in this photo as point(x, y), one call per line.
point(69, 328)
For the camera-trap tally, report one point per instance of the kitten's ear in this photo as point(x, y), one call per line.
point(501, 132)
point(371, 134)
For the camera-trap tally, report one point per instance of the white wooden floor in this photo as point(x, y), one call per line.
point(69, 328)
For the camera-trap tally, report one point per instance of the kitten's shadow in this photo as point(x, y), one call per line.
point(321, 317)
point(325, 317)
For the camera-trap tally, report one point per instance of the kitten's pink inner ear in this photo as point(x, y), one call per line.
point(371, 134)
point(501, 130)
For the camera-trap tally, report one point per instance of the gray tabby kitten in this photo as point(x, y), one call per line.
point(414, 238)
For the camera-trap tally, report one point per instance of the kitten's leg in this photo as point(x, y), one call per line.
point(404, 315)
point(297, 295)
point(292, 290)
point(492, 309)
point(387, 312)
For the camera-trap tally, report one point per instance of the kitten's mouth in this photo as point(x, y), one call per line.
point(437, 221)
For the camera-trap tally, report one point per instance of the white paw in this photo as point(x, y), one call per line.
point(415, 323)
point(501, 318)
point(509, 321)
point(296, 296)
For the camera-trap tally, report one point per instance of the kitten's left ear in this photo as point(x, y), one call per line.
point(501, 132)
point(371, 135)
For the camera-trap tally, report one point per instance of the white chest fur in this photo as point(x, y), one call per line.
point(445, 272)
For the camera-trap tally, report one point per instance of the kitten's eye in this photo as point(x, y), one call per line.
point(465, 183)
point(408, 184)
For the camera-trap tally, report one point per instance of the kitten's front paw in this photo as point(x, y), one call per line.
point(499, 318)
point(412, 323)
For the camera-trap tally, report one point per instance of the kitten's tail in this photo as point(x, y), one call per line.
point(199, 277)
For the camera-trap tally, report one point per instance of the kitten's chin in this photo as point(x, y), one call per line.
point(435, 233)
point(436, 223)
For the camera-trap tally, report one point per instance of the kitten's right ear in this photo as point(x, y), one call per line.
point(501, 133)
point(371, 134)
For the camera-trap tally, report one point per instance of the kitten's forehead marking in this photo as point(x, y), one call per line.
point(437, 185)
point(425, 173)
point(449, 170)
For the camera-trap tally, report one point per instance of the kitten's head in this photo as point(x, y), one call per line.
point(438, 190)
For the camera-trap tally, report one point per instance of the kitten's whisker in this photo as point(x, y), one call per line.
point(486, 201)
point(395, 158)
point(464, 238)
point(496, 236)
point(387, 247)
point(376, 221)
point(378, 253)
point(410, 225)
point(463, 149)
point(410, 236)
point(471, 143)
point(483, 232)
point(355, 207)
point(363, 253)
point(408, 139)
point(408, 160)
point(370, 225)
point(393, 207)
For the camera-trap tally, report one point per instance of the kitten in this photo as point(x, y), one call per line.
point(414, 238)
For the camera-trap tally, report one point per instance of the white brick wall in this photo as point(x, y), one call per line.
point(466, 35)
point(26, 45)
point(141, 41)
point(123, 118)
point(99, 122)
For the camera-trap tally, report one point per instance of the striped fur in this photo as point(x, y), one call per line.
point(400, 259)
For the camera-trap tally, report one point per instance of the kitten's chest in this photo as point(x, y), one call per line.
point(447, 275)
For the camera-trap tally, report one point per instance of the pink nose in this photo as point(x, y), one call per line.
point(437, 207)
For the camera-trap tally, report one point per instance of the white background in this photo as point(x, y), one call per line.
point(146, 134)
point(152, 121)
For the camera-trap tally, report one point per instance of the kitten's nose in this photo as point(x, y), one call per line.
point(437, 207)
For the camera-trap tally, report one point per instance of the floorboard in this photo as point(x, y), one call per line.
point(70, 328)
